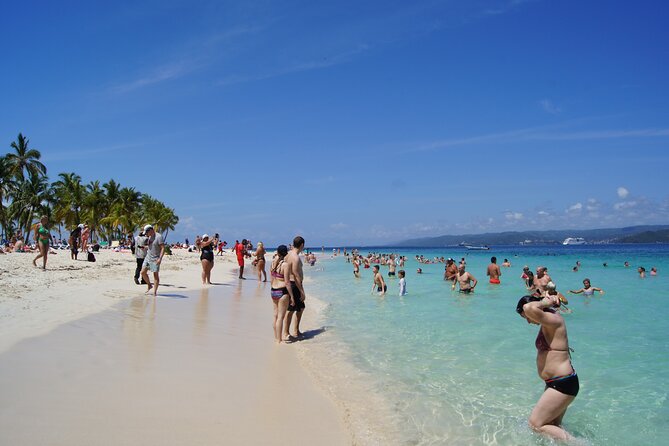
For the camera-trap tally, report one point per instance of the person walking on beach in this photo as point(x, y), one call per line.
point(154, 256)
point(207, 257)
point(403, 282)
point(73, 241)
point(493, 271)
point(294, 273)
point(260, 261)
point(281, 294)
point(379, 284)
point(465, 279)
point(553, 365)
point(43, 238)
point(141, 245)
point(240, 251)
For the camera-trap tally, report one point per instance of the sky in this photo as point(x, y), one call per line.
point(351, 122)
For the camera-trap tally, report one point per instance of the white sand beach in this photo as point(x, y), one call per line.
point(88, 359)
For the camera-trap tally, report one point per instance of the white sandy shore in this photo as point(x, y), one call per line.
point(186, 368)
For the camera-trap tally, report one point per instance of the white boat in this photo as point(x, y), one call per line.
point(477, 248)
point(574, 241)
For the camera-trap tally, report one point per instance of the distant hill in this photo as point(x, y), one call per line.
point(648, 233)
point(661, 236)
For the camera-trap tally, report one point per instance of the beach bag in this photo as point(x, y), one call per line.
point(91, 257)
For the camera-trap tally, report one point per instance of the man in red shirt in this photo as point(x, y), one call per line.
point(240, 250)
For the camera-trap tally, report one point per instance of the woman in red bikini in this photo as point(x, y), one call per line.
point(553, 364)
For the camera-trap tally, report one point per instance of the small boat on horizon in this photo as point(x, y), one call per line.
point(477, 248)
point(574, 241)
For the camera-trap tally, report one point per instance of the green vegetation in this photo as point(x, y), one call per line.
point(109, 209)
point(661, 236)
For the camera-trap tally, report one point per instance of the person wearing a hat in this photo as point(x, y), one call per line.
point(451, 271)
point(154, 255)
point(141, 245)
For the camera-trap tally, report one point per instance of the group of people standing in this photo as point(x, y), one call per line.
point(287, 290)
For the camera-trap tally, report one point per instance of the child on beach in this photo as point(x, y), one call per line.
point(403, 283)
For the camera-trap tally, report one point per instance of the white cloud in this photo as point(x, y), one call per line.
point(575, 207)
point(338, 226)
point(513, 216)
point(543, 213)
point(549, 107)
point(623, 192)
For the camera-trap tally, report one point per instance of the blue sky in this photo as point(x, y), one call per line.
point(352, 122)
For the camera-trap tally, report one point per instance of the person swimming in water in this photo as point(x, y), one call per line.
point(587, 289)
point(553, 365)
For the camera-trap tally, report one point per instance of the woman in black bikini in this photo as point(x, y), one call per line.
point(281, 295)
point(207, 258)
point(553, 364)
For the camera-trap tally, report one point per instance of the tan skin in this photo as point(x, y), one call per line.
point(587, 289)
point(546, 417)
point(260, 262)
point(294, 273)
point(207, 266)
point(464, 278)
point(280, 305)
point(43, 242)
point(378, 282)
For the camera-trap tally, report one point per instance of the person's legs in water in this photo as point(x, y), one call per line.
point(548, 413)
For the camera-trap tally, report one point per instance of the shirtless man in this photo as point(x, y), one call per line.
point(356, 266)
point(465, 278)
point(295, 274)
point(379, 284)
point(451, 271)
point(541, 279)
point(493, 271)
point(391, 266)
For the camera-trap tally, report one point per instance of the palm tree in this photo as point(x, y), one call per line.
point(156, 213)
point(25, 159)
point(94, 206)
point(7, 185)
point(29, 200)
point(70, 195)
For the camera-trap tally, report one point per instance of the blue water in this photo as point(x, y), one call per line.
point(461, 369)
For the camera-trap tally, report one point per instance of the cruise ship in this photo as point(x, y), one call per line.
point(574, 241)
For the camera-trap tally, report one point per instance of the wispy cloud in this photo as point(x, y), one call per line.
point(189, 58)
point(549, 107)
point(541, 134)
point(325, 62)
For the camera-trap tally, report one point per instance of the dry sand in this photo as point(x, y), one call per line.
point(195, 366)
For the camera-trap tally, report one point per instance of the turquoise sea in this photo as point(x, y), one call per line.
point(460, 369)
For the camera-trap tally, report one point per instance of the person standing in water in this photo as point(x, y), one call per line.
point(493, 271)
point(587, 289)
point(403, 282)
point(379, 284)
point(553, 365)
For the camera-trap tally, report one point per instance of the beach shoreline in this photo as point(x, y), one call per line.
point(240, 326)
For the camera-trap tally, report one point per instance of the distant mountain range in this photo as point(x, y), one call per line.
point(631, 234)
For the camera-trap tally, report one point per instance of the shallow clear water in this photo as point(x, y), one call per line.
point(460, 369)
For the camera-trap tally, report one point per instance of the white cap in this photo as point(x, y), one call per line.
point(81, 225)
point(205, 235)
point(147, 227)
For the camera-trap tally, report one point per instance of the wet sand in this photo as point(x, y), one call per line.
point(191, 368)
